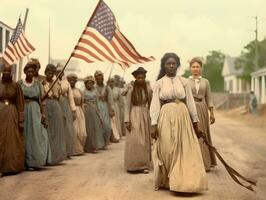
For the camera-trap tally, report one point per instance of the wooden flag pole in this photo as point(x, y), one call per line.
point(46, 94)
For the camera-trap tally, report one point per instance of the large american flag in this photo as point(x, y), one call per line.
point(18, 46)
point(102, 41)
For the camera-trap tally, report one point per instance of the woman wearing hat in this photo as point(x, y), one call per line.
point(94, 123)
point(137, 121)
point(178, 163)
point(68, 107)
point(11, 126)
point(79, 123)
point(55, 117)
point(37, 145)
point(201, 91)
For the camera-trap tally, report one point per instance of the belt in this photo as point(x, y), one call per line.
point(6, 101)
point(167, 101)
point(197, 99)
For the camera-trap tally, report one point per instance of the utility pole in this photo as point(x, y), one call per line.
point(256, 45)
point(49, 43)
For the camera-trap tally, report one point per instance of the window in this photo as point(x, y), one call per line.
point(7, 37)
point(1, 40)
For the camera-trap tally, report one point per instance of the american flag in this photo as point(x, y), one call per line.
point(18, 46)
point(102, 41)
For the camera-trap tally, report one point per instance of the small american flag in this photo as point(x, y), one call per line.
point(18, 46)
point(102, 41)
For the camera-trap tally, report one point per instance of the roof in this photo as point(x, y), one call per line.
point(6, 25)
point(259, 72)
point(229, 67)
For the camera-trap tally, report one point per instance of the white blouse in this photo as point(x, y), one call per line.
point(172, 88)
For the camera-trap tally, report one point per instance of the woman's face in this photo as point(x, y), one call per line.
point(72, 82)
point(195, 69)
point(89, 85)
point(140, 79)
point(99, 79)
point(6, 73)
point(30, 72)
point(49, 75)
point(170, 67)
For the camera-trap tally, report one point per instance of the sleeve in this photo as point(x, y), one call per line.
point(20, 104)
point(208, 96)
point(128, 105)
point(71, 98)
point(155, 105)
point(110, 98)
point(191, 103)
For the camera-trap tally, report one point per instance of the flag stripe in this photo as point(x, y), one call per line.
point(81, 57)
point(22, 49)
point(88, 52)
point(13, 57)
point(12, 49)
point(20, 53)
point(23, 40)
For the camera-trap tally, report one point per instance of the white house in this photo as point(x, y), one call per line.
point(5, 34)
point(232, 82)
point(258, 84)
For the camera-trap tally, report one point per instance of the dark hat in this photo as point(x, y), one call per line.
point(50, 67)
point(138, 71)
point(30, 64)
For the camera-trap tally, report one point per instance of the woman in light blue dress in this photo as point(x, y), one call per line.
point(55, 118)
point(37, 152)
point(94, 124)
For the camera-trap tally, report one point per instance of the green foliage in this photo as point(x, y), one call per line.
point(247, 59)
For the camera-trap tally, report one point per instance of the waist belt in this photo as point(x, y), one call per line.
point(29, 99)
point(197, 99)
point(6, 101)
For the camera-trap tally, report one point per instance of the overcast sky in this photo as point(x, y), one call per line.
point(189, 28)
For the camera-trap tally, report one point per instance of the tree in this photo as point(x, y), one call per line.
point(247, 59)
point(212, 70)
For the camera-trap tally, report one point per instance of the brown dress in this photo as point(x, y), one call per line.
point(203, 101)
point(138, 141)
point(11, 139)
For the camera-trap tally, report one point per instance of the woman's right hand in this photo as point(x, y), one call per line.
point(154, 132)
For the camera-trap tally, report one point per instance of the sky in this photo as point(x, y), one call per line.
point(187, 27)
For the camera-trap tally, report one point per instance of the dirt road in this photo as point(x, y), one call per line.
point(102, 176)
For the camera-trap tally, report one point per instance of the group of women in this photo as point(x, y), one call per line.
point(165, 124)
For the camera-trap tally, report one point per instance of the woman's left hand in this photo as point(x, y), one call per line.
point(212, 118)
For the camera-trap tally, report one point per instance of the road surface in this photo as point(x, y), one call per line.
point(102, 177)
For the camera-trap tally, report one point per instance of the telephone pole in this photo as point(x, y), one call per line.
point(256, 45)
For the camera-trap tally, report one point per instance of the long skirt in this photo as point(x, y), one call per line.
point(178, 163)
point(80, 134)
point(94, 128)
point(104, 114)
point(68, 124)
point(115, 131)
point(207, 155)
point(36, 138)
point(55, 131)
point(117, 119)
point(11, 141)
point(138, 141)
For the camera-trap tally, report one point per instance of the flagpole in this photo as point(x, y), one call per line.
point(21, 60)
point(46, 94)
point(49, 43)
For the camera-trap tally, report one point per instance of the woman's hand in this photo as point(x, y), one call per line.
point(197, 130)
point(154, 132)
point(74, 113)
point(128, 126)
point(212, 118)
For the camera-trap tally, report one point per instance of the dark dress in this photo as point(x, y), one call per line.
point(11, 139)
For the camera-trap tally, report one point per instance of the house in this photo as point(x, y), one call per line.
point(258, 84)
point(232, 81)
point(5, 34)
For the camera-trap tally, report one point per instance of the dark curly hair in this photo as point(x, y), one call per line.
point(163, 61)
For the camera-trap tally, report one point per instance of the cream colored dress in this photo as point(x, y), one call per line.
point(177, 159)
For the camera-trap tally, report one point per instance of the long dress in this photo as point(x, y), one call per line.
point(94, 125)
point(116, 119)
point(68, 106)
point(55, 119)
point(80, 134)
point(37, 145)
point(12, 151)
point(138, 140)
point(178, 163)
point(105, 103)
point(201, 92)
